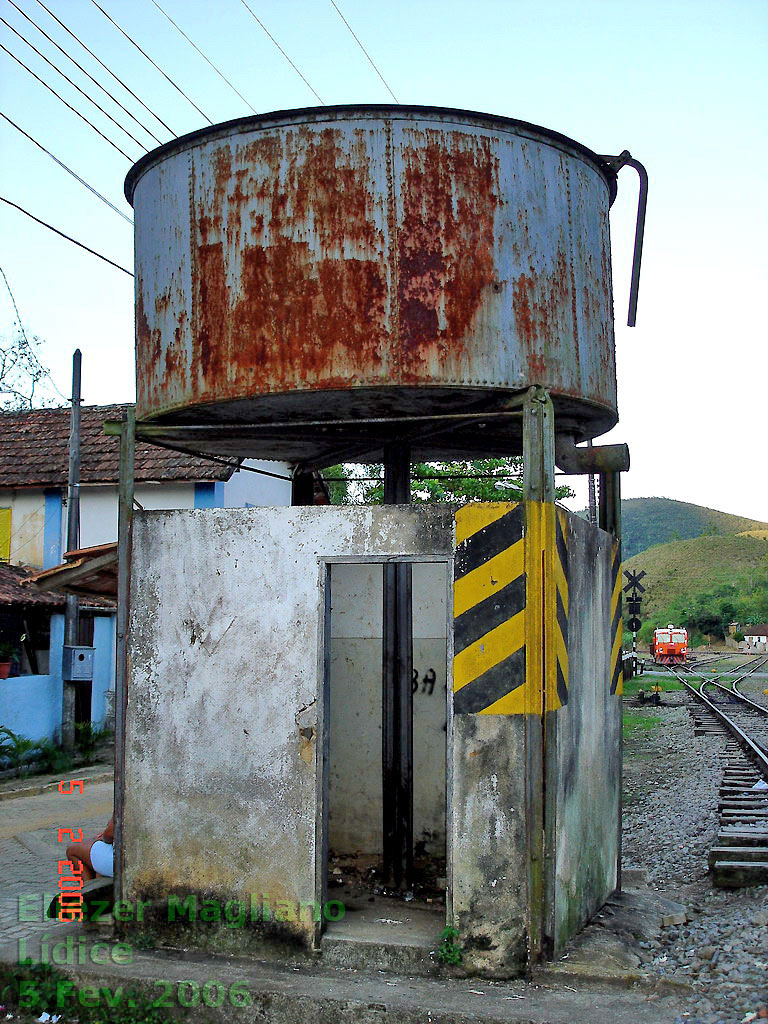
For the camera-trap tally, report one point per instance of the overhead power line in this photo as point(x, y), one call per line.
point(69, 106)
point(157, 66)
point(86, 73)
point(108, 70)
point(61, 233)
point(370, 59)
point(73, 84)
point(266, 30)
point(67, 169)
point(196, 47)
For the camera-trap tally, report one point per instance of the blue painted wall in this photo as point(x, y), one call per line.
point(52, 529)
point(209, 495)
point(103, 666)
point(31, 705)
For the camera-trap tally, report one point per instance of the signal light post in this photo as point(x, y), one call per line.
point(633, 604)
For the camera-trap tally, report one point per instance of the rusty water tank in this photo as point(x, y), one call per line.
point(344, 263)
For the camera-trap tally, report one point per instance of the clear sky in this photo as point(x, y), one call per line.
point(683, 84)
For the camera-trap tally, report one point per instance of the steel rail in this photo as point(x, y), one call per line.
point(760, 707)
point(732, 692)
point(745, 741)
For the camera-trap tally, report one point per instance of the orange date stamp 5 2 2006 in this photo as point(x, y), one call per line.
point(70, 904)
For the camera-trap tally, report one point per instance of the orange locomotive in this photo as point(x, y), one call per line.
point(670, 645)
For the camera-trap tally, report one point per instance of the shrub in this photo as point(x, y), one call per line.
point(15, 747)
point(448, 952)
point(53, 758)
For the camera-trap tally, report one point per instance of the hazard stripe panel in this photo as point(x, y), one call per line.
point(561, 623)
point(489, 609)
point(617, 668)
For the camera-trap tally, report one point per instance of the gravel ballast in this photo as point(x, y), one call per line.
point(671, 783)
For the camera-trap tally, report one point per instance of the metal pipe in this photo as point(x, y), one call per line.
point(637, 255)
point(607, 458)
point(625, 159)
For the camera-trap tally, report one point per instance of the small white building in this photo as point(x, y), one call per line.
point(756, 637)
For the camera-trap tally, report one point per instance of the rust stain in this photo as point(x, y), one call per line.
point(446, 247)
point(541, 303)
point(310, 301)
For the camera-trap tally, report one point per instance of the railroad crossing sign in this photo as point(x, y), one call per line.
point(634, 581)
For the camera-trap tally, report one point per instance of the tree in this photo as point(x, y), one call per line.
point(460, 481)
point(23, 378)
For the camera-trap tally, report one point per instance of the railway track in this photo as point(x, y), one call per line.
point(740, 854)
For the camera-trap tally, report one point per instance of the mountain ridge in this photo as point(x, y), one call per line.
point(646, 522)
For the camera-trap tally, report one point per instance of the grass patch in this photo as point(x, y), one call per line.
point(645, 682)
point(29, 990)
point(635, 724)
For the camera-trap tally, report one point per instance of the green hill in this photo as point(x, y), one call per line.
point(726, 577)
point(649, 521)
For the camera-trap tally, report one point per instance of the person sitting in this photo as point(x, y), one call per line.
point(96, 856)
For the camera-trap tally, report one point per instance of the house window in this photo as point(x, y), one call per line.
point(5, 535)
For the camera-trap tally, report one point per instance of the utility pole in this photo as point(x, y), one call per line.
point(73, 542)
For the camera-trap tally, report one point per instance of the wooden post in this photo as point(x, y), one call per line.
point(124, 537)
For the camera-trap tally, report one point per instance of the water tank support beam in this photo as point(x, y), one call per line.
point(302, 488)
point(609, 507)
point(397, 697)
point(538, 446)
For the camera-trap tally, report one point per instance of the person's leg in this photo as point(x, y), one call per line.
point(80, 853)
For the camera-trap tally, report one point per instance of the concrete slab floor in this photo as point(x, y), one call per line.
point(388, 921)
point(292, 994)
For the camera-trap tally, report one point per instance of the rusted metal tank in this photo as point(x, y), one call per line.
point(342, 263)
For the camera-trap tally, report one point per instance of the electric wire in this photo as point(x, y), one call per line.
point(67, 169)
point(196, 47)
point(68, 237)
point(266, 30)
point(30, 349)
point(86, 73)
point(108, 70)
point(233, 465)
point(370, 59)
point(157, 66)
point(73, 84)
point(74, 111)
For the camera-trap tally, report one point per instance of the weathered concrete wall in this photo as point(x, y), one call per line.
point(222, 790)
point(489, 843)
point(355, 696)
point(584, 739)
point(492, 682)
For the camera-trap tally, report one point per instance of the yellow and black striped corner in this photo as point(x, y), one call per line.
point(617, 669)
point(561, 614)
point(489, 595)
